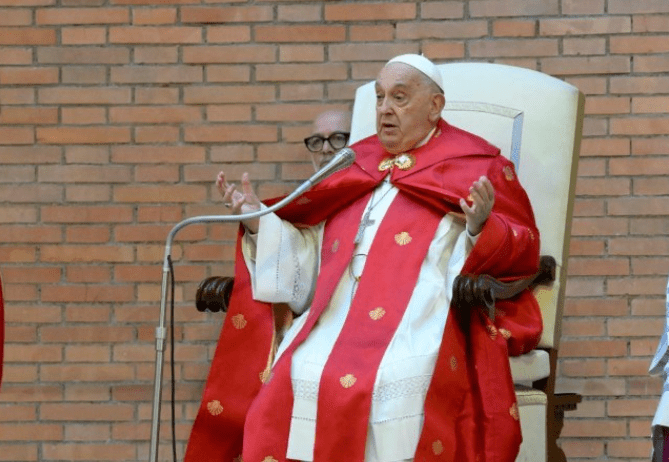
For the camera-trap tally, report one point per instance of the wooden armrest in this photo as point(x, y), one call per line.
point(471, 290)
point(213, 294)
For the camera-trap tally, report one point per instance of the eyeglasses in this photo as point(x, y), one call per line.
point(337, 140)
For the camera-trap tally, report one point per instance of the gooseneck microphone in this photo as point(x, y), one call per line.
point(342, 159)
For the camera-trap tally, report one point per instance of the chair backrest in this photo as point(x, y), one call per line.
point(536, 121)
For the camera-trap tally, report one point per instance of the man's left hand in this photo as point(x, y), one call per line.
point(482, 196)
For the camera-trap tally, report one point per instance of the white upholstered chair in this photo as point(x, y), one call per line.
point(536, 121)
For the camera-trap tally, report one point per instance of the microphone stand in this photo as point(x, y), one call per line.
point(342, 159)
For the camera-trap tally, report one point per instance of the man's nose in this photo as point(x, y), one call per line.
point(327, 147)
point(384, 106)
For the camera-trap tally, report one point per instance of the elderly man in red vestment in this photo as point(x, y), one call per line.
point(377, 367)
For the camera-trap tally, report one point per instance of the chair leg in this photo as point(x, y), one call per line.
point(555, 413)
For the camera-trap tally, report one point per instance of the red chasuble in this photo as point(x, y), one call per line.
point(470, 407)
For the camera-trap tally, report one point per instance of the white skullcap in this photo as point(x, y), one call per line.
point(421, 63)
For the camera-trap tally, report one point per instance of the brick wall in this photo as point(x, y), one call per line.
point(117, 114)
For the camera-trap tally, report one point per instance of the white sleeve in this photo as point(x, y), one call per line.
point(283, 262)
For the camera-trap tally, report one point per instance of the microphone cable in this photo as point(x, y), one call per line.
point(172, 366)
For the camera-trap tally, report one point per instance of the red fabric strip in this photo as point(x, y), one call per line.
point(390, 274)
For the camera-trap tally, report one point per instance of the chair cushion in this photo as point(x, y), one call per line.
point(529, 367)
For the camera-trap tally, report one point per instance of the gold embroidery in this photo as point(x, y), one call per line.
point(238, 459)
point(335, 245)
point(303, 201)
point(347, 381)
point(505, 333)
point(454, 363)
point(492, 331)
point(531, 234)
point(508, 173)
point(265, 375)
point(377, 313)
point(385, 164)
point(515, 233)
point(402, 238)
point(514, 411)
point(437, 447)
point(214, 407)
point(239, 321)
point(405, 161)
point(269, 459)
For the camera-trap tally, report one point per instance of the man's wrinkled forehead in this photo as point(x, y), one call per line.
point(399, 75)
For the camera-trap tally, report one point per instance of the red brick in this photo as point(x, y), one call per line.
point(371, 33)
point(231, 54)
point(84, 74)
point(156, 74)
point(18, 215)
point(229, 113)
point(153, 16)
point(228, 34)
point(514, 28)
point(78, 314)
point(639, 44)
point(584, 46)
point(83, 253)
point(17, 233)
point(17, 136)
point(28, 75)
point(300, 33)
point(83, 35)
point(83, 115)
point(83, 135)
point(157, 173)
point(493, 8)
point(19, 452)
point(55, 16)
point(27, 36)
point(584, 26)
point(369, 12)
point(233, 133)
point(229, 94)
point(441, 30)
point(586, 65)
point(228, 73)
point(159, 194)
point(631, 327)
point(16, 17)
point(154, 34)
point(441, 10)
point(363, 51)
point(301, 53)
point(149, 115)
point(15, 56)
point(444, 50)
point(95, 95)
point(156, 134)
point(650, 23)
point(298, 72)
point(515, 48)
point(156, 55)
point(302, 12)
point(87, 273)
point(603, 187)
point(594, 428)
point(209, 15)
point(89, 193)
point(83, 55)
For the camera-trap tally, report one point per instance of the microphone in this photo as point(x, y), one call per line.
point(342, 159)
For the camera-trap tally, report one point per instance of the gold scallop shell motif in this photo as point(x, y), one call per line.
point(214, 407)
point(514, 411)
point(437, 447)
point(377, 313)
point(505, 333)
point(454, 363)
point(402, 238)
point(508, 173)
point(348, 380)
point(239, 321)
point(269, 459)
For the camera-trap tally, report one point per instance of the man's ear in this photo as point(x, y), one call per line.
point(437, 105)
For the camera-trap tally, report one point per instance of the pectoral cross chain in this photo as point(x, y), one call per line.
point(363, 225)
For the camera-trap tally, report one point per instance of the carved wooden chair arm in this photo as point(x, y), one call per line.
point(213, 294)
point(471, 290)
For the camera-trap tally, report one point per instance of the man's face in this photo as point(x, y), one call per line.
point(406, 107)
point(325, 125)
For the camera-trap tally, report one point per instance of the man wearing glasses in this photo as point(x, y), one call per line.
point(330, 134)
